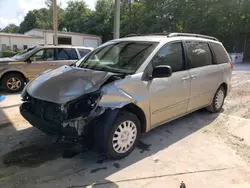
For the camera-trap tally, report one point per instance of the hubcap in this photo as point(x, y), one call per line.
point(14, 83)
point(219, 99)
point(124, 136)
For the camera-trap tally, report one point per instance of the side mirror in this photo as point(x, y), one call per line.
point(162, 71)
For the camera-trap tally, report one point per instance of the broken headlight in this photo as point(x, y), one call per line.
point(82, 106)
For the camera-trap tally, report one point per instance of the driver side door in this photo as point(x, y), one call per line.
point(169, 97)
point(40, 61)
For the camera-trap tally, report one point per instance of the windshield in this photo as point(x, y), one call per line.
point(21, 55)
point(121, 57)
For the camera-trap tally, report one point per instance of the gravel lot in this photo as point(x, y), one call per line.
point(201, 149)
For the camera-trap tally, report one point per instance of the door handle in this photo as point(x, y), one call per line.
point(185, 78)
point(194, 76)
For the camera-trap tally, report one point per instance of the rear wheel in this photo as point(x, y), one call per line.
point(120, 136)
point(13, 82)
point(218, 100)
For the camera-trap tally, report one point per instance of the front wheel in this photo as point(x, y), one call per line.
point(121, 136)
point(218, 100)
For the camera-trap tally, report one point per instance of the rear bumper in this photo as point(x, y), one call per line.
point(46, 126)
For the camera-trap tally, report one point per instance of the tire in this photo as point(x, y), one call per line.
point(106, 136)
point(13, 77)
point(218, 101)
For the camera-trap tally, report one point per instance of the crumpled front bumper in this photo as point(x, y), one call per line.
point(46, 126)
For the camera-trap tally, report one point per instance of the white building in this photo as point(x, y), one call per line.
point(9, 41)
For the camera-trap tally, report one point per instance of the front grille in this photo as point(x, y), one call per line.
point(46, 110)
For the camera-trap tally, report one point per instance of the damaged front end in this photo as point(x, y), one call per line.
point(69, 119)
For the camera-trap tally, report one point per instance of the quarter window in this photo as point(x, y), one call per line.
point(171, 55)
point(199, 54)
point(220, 53)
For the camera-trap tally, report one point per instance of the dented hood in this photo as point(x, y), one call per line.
point(65, 84)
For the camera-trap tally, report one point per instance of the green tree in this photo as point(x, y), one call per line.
point(76, 16)
point(36, 19)
point(41, 19)
point(100, 21)
point(11, 28)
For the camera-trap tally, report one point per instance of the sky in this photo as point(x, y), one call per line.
point(13, 11)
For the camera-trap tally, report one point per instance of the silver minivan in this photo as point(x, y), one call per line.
point(127, 87)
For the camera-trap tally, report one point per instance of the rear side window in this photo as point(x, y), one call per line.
point(63, 53)
point(74, 54)
point(199, 54)
point(220, 53)
point(66, 54)
point(83, 52)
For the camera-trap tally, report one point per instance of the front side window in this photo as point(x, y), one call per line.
point(199, 54)
point(120, 57)
point(171, 55)
point(43, 55)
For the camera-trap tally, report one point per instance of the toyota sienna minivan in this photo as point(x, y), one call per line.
point(127, 87)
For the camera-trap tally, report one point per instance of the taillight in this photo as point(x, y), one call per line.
point(231, 65)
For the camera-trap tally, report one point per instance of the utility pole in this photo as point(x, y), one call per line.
point(130, 14)
point(117, 16)
point(55, 23)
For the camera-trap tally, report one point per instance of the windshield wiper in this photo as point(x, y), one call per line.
point(111, 69)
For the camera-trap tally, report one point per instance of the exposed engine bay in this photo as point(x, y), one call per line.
point(68, 119)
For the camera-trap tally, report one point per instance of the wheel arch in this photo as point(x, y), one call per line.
point(131, 107)
point(225, 86)
point(13, 72)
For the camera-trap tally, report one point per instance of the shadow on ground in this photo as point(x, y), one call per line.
point(150, 144)
point(30, 148)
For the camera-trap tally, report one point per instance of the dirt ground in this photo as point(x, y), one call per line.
point(202, 150)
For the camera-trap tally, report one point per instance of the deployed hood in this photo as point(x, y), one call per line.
point(66, 83)
point(7, 59)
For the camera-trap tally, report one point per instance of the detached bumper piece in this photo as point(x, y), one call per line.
point(45, 126)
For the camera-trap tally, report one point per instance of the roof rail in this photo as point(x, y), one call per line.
point(134, 35)
point(160, 34)
point(192, 35)
point(175, 35)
